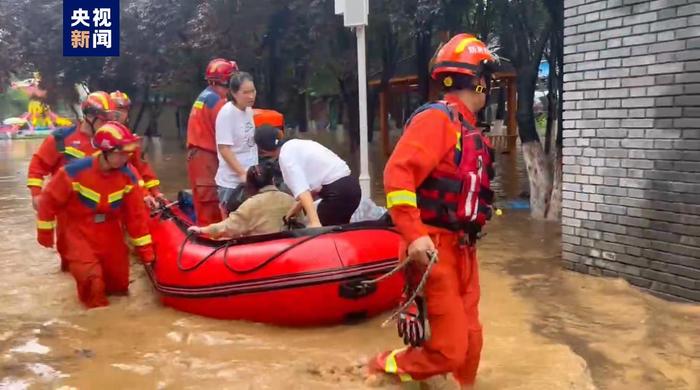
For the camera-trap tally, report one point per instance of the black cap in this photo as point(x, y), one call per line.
point(268, 138)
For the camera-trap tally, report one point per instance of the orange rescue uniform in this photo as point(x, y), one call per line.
point(96, 205)
point(202, 161)
point(452, 291)
point(63, 146)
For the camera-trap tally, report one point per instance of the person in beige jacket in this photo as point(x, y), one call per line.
point(262, 213)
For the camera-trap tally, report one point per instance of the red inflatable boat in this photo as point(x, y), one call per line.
point(300, 277)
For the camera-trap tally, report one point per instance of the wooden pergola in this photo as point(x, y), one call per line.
point(408, 84)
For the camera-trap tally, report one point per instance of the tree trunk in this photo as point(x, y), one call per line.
point(277, 27)
point(533, 153)
point(372, 113)
point(551, 120)
point(181, 118)
point(144, 104)
point(539, 178)
point(351, 100)
point(152, 133)
point(554, 208)
point(527, 77)
point(272, 70)
point(423, 55)
point(389, 63)
point(301, 111)
point(501, 105)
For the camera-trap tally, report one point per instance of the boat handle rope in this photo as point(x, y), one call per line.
point(271, 258)
point(228, 243)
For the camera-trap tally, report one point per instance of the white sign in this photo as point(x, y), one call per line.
point(356, 13)
point(340, 7)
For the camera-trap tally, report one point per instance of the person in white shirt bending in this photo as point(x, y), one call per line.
point(236, 148)
point(308, 169)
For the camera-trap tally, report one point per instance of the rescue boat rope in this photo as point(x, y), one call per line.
point(432, 260)
point(271, 258)
point(256, 268)
point(225, 247)
point(387, 275)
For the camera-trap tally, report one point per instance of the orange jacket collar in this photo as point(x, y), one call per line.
point(461, 108)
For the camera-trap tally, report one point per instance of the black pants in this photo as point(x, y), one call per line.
point(339, 200)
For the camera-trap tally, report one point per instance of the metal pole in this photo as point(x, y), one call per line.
point(362, 89)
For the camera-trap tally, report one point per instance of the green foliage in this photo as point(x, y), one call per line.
point(292, 47)
point(12, 103)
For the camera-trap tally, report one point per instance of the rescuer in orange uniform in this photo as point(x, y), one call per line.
point(202, 160)
point(98, 196)
point(151, 183)
point(65, 145)
point(438, 193)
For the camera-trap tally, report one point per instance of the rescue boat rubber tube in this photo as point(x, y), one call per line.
point(306, 277)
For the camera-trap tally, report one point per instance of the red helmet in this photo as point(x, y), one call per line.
point(220, 70)
point(98, 104)
point(115, 136)
point(121, 100)
point(464, 54)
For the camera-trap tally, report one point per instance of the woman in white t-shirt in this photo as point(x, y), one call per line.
point(236, 148)
point(310, 169)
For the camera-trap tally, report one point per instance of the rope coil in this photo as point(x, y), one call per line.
point(433, 258)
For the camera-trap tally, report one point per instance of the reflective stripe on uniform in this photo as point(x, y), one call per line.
point(392, 368)
point(45, 225)
point(152, 183)
point(141, 183)
point(33, 182)
point(141, 241)
point(401, 198)
point(86, 192)
point(73, 152)
point(115, 196)
point(198, 105)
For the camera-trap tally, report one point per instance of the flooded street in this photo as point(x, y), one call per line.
point(544, 328)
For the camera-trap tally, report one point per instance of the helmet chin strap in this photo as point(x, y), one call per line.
point(106, 154)
point(92, 124)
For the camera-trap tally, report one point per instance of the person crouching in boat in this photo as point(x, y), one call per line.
point(262, 213)
point(310, 168)
point(271, 118)
point(100, 197)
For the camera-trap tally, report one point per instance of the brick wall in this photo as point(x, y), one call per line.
point(631, 184)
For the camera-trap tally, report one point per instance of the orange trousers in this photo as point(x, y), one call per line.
point(61, 239)
point(452, 293)
point(201, 169)
point(99, 262)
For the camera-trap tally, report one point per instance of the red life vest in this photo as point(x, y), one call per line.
point(461, 201)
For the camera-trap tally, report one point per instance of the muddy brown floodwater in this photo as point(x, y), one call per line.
point(545, 328)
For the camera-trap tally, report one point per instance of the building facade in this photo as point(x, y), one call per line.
point(631, 183)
